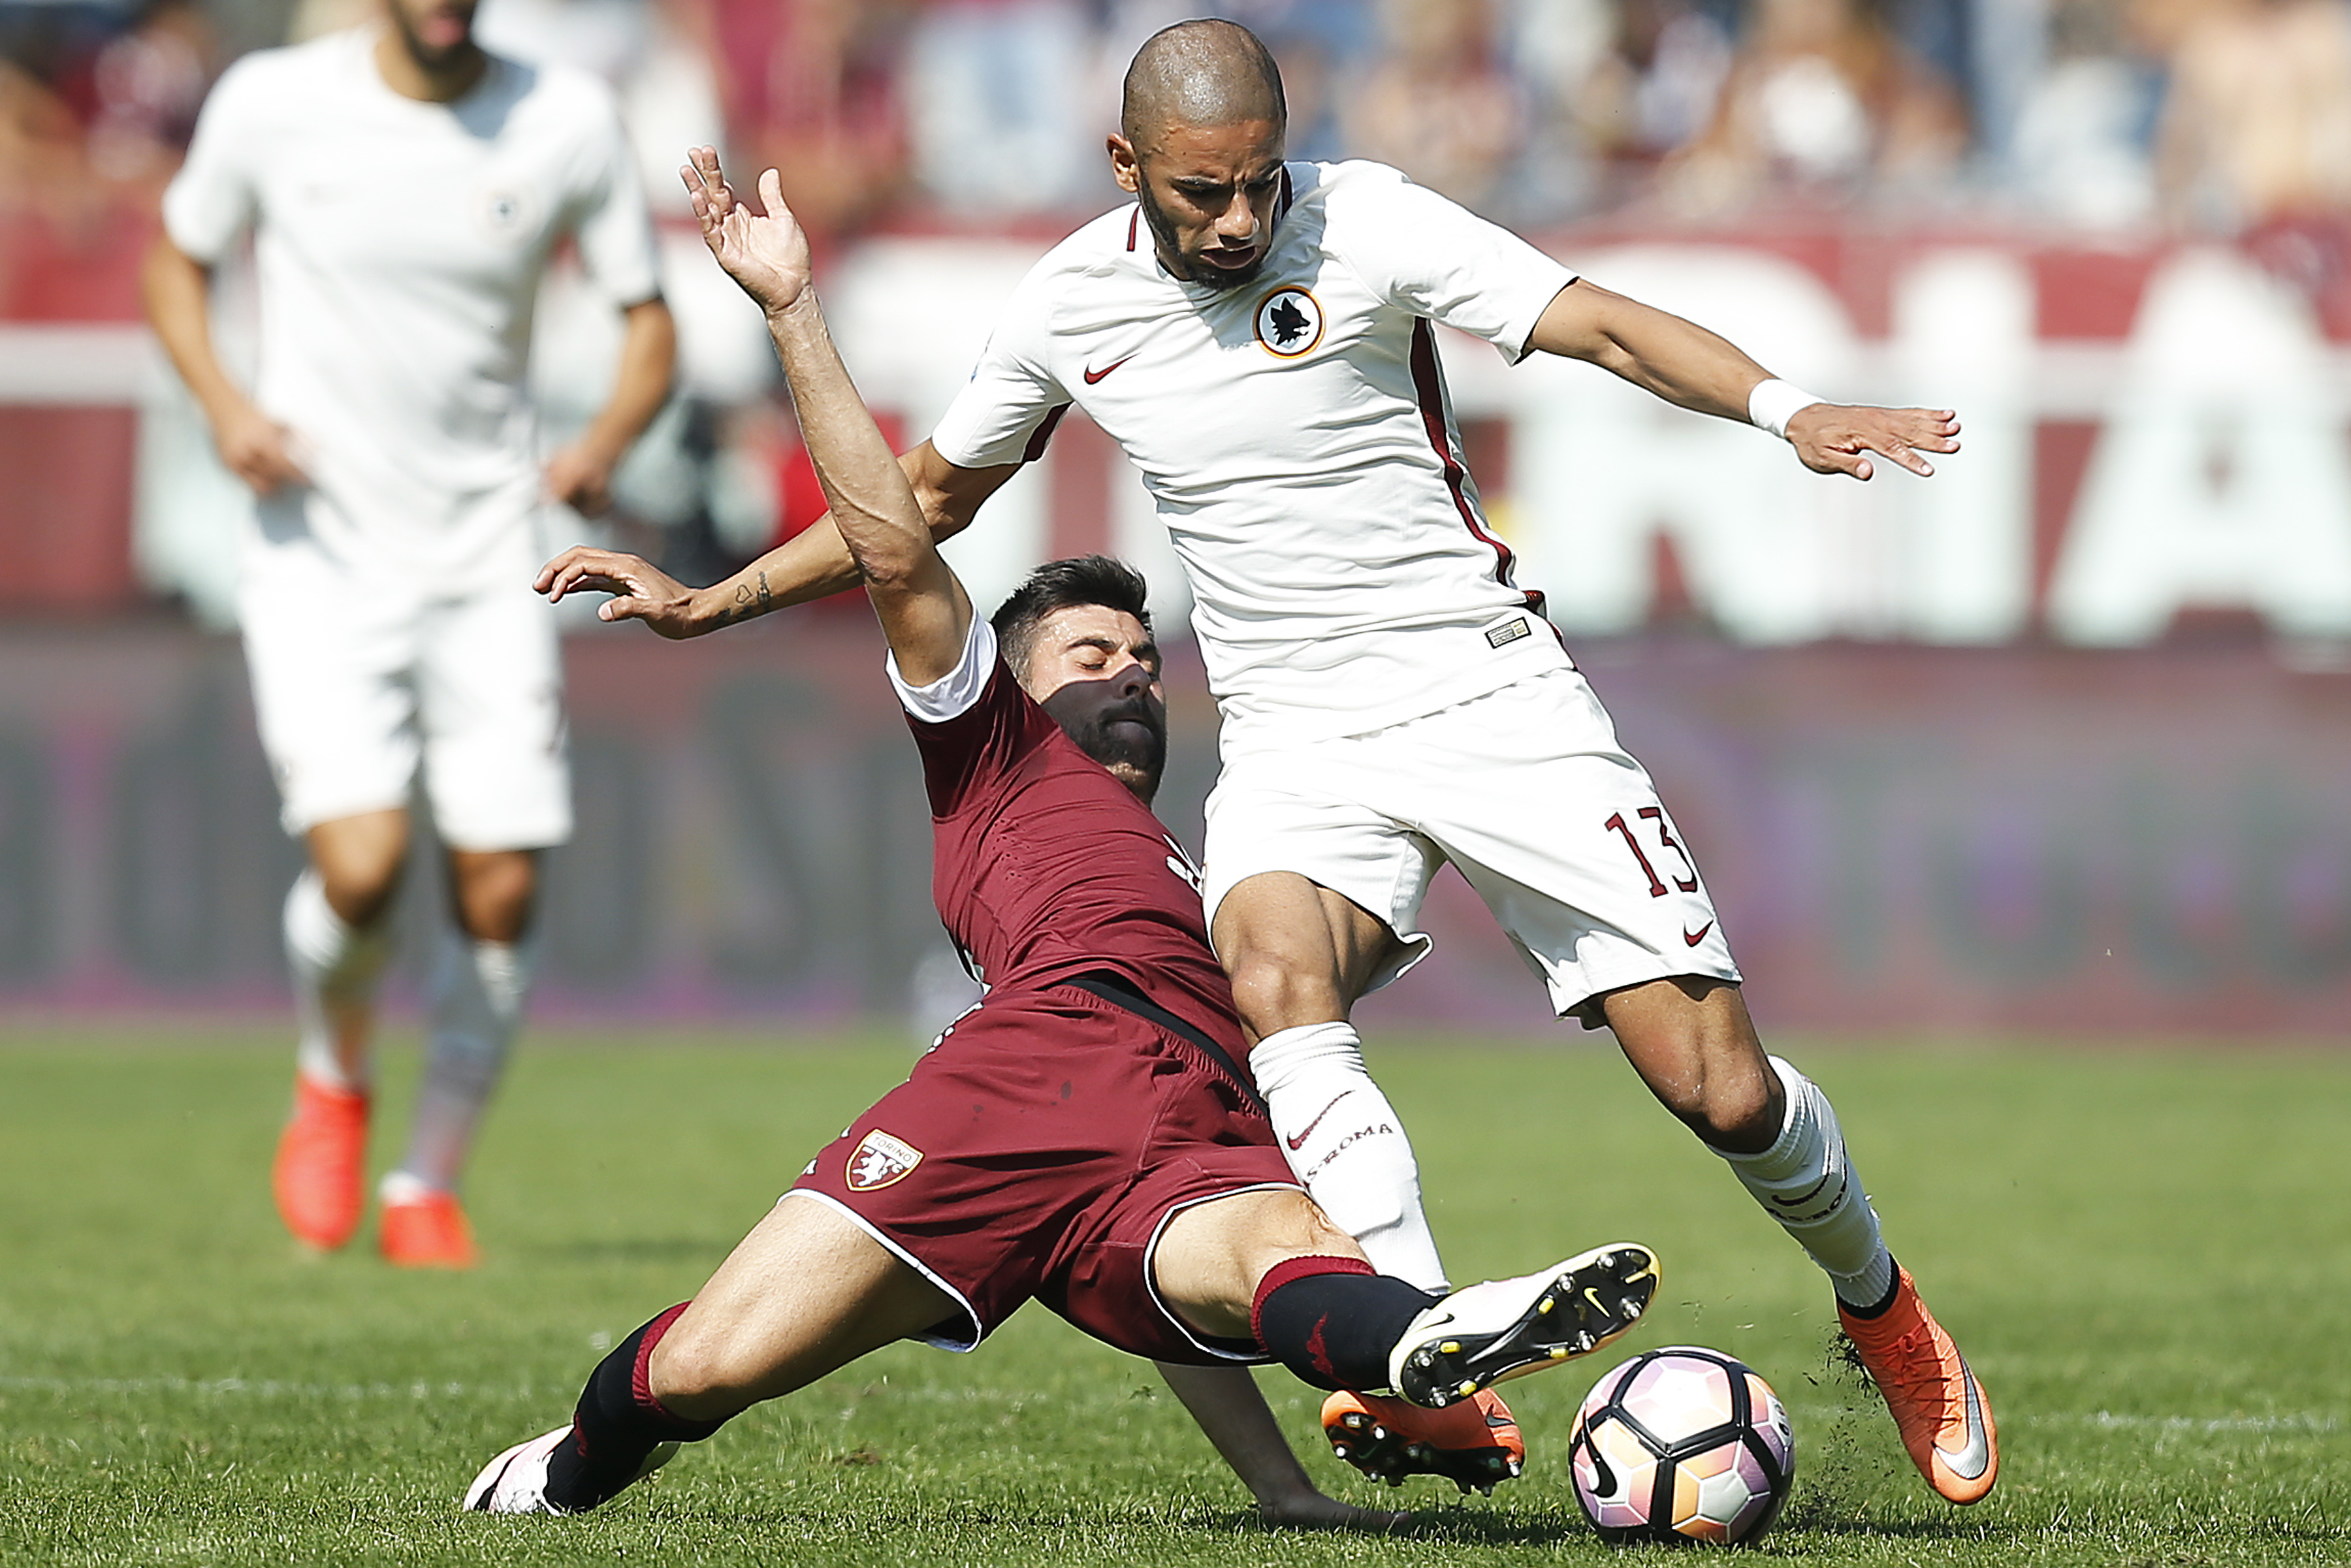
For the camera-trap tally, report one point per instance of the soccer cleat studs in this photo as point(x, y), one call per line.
point(1521, 1325)
point(1474, 1444)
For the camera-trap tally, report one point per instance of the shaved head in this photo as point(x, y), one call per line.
point(1202, 73)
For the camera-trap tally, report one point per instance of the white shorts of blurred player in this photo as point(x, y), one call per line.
point(363, 682)
point(1526, 790)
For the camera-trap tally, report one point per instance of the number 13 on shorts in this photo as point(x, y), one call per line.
point(1664, 865)
point(1656, 815)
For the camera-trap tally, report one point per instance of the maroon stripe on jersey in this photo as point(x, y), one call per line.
point(1044, 434)
point(1132, 224)
point(1431, 393)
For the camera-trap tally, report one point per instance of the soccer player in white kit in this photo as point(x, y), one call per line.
point(404, 191)
point(1255, 335)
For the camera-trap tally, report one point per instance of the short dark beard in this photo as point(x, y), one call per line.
point(444, 63)
point(1136, 762)
point(1172, 254)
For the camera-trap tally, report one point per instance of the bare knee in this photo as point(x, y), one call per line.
point(1275, 991)
point(494, 891)
point(358, 861)
point(694, 1375)
point(1693, 1045)
point(1738, 1106)
point(1212, 1257)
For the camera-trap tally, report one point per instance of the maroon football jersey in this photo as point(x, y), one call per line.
point(1044, 866)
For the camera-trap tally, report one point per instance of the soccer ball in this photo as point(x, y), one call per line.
point(1682, 1444)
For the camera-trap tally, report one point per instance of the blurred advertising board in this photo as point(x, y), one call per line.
point(1902, 840)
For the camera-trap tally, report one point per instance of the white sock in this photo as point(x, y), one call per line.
point(1805, 1181)
point(1347, 1146)
point(478, 989)
point(335, 968)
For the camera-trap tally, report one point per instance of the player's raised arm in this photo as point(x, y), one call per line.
point(924, 610)
point(1684, 363)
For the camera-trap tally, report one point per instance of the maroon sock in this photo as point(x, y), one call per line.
point(617, 1423)
point(1332, 1320)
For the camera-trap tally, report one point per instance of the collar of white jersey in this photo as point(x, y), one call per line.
point(1135, 234)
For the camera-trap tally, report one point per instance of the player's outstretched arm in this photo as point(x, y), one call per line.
point(922, 608)
point(1685, 364)
point(810, 565)
point(1231, 1411)
point(641, 591)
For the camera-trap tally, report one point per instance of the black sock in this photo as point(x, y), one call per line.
point(1332, 1320)
point(617, 1423)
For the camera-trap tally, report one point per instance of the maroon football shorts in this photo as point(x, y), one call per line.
point(1037, 1151)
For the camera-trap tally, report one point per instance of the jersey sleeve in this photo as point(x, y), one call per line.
point(1006, 412)
point(215, 196)
point(973, 724)
point(954, 692)
point(611, 221)
point(1430, 255)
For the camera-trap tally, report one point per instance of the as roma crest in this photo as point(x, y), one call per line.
point(880, 1159)
point(1289, 321)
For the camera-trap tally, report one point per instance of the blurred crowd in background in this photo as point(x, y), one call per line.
point(2199, 115)
point(2129, 123)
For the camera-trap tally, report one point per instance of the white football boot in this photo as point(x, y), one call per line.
point(516, 1482)
point(1507, 1328)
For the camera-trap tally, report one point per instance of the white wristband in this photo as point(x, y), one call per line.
point(1773, 402)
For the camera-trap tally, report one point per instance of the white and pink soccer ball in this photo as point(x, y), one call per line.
point(1682, 1444)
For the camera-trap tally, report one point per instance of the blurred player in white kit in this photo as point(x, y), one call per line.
point(404, 191)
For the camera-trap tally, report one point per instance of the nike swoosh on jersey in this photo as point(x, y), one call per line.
point(1968, 1461)
point(1694, 937)
point(1308, 1131)
point(1093, 375)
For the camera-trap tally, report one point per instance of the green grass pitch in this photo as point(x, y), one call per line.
point(2147, 1256)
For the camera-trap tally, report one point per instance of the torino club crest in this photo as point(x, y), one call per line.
point(880, 1159)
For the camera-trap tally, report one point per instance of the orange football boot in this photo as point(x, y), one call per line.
point(425, 1228)
point(319, 1156)
point(1938, 1405)
point(1474, 1443)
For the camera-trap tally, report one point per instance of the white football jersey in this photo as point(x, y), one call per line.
point(1296, 436)
point(399, 245)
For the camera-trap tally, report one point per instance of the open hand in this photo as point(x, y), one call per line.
point(640, 590)
point(767, 256)
point(1837, 438)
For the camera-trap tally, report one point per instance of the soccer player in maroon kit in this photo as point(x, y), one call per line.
point(1085, 1137)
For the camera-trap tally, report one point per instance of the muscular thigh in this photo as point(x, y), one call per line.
point(1305, 815)
point(806, 1292)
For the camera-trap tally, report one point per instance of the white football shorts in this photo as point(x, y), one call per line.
point(363, 682)
point(1526, 790)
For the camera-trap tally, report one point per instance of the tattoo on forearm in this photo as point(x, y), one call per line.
point(767, 600)
point(739, 610)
